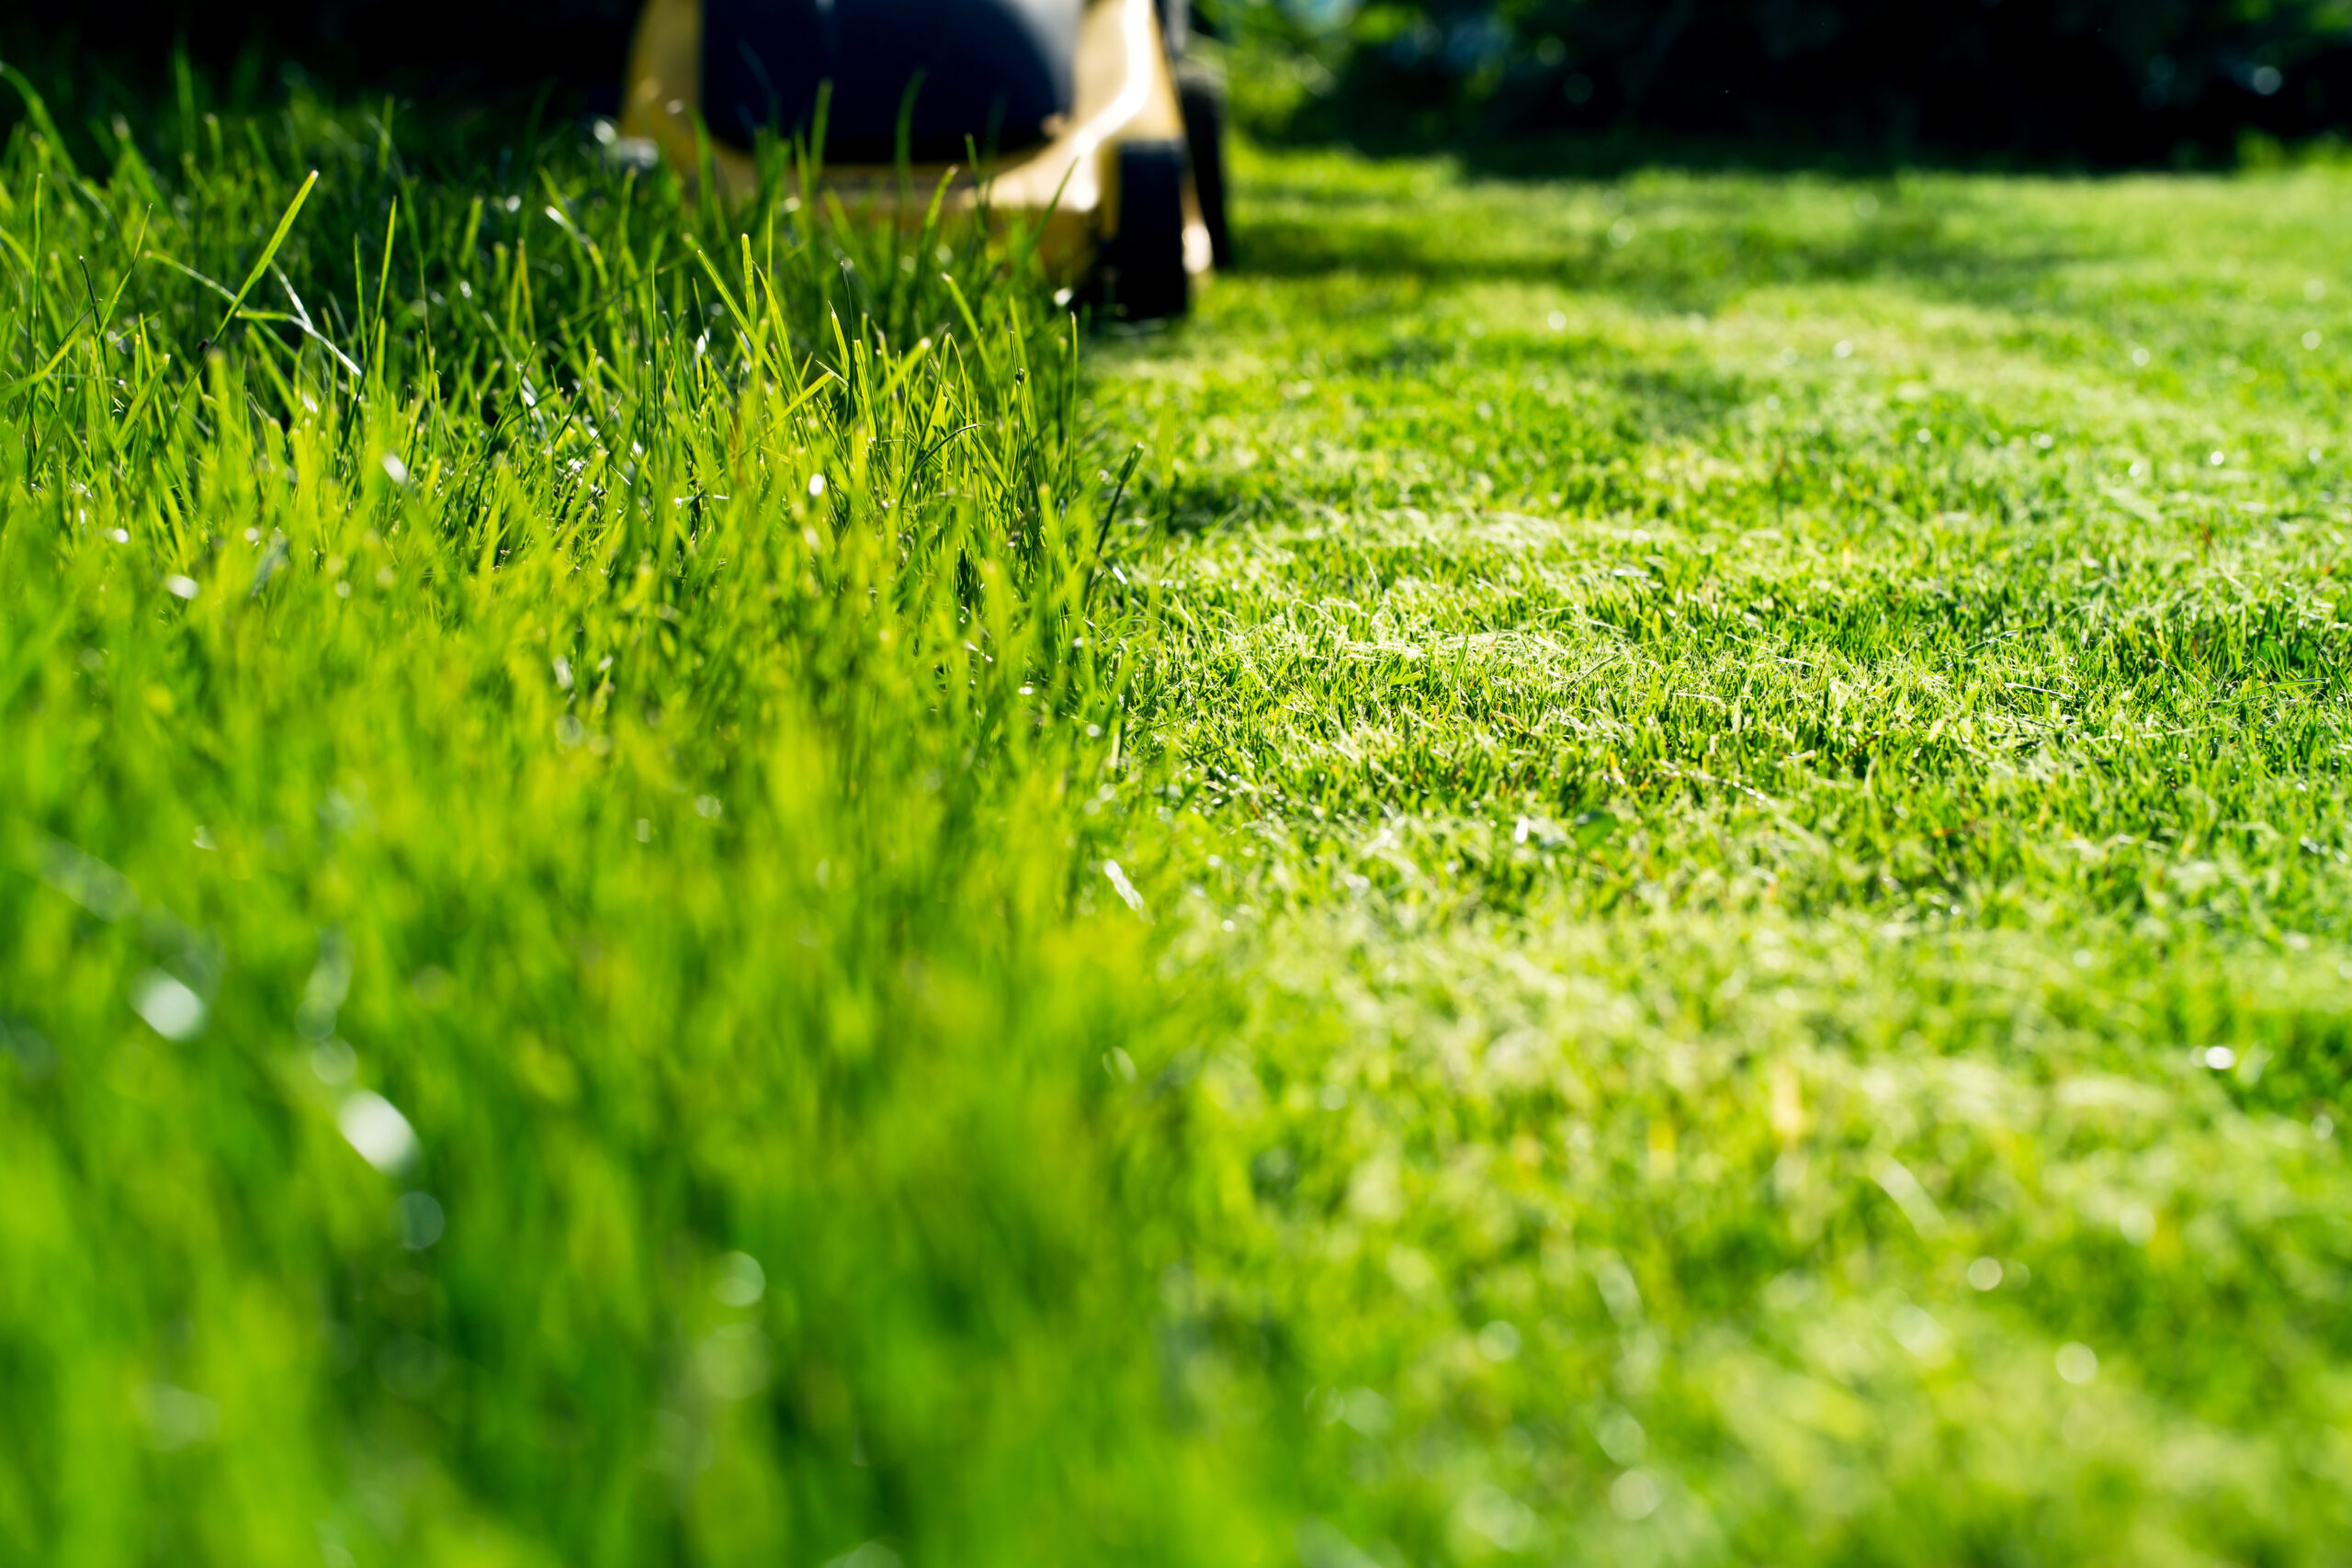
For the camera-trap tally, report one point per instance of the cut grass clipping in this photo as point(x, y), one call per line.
point(1669, 889)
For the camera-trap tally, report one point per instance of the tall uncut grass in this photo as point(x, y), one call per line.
point(549, 725)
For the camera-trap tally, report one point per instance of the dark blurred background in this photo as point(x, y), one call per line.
point(2094, 83)
point(568, 52)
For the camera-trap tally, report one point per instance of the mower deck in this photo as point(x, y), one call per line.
point(1069, 186)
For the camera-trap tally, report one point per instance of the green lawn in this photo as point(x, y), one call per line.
point(1669, 886)
point(1774, 754)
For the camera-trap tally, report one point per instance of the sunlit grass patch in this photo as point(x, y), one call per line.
point(1665, 883)
point(545, 1010)
point(1775, 753)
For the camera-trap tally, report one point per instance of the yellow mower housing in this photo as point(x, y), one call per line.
point(1124, 186)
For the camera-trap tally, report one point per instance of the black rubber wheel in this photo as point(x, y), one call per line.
point(1200, 88)
point(1148, 281)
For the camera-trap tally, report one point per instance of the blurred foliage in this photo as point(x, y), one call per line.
point(567, 53)
point(2102, 81)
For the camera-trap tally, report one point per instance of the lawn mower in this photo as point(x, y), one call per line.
point(1083, 117)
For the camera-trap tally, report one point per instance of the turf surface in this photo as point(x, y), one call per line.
point(1776, 750)
point(1667, 886)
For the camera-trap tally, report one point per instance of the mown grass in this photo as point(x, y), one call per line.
point(1669, 889)
point(1770, 757)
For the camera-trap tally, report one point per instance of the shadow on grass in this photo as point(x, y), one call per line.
point(1688, 267)
point(1620, 409)
point(1617, 152)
